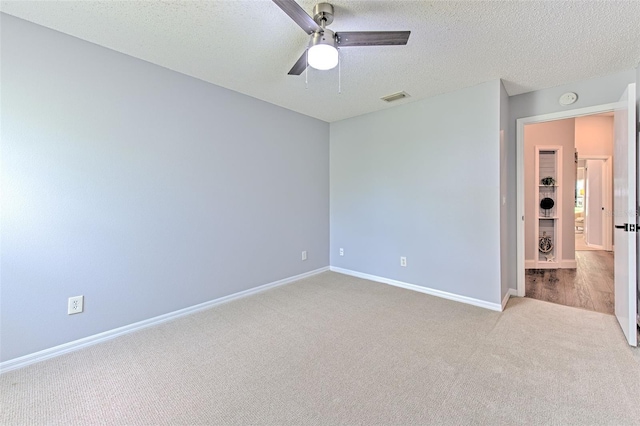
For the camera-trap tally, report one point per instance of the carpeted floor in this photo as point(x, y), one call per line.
point(333, 349)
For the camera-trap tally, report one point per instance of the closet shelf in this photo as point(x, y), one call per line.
point(548, 201)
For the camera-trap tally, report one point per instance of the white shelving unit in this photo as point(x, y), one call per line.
point(548, 163)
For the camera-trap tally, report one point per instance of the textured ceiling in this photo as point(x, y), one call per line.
point(249, 46)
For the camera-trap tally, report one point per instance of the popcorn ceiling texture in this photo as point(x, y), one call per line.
point(249, 46)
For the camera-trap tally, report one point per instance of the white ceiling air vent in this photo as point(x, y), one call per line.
point(395, 97)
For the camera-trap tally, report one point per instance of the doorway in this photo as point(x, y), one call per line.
point(624, 214)
point(568, 168)
point(520, 177)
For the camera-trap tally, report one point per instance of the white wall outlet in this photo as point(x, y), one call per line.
point(341, 252)
point(76, 305)
point(403, 261)
point(304, 255)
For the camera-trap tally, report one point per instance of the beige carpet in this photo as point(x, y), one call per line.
point(334, 349)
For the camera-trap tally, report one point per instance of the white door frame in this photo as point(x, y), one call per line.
point(607, 195)
point(520, 123)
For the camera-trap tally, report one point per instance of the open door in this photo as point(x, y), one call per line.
point(594, 203)
point(625, 213)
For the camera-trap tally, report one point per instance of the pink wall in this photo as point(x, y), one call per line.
point(594, 135)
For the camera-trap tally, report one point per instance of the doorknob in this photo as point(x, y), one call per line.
point(629, 227)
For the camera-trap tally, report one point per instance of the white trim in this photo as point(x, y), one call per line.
point(420, 289)
point(55, 351)
point(520, 123)
point(557, 227)
point(505, 300)
point(596, 247)
point(608, 204)
point(565, 264)
point(520, 263)
point(513, 292)
point(547, 265)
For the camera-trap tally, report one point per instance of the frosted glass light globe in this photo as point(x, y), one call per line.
point(322, 57)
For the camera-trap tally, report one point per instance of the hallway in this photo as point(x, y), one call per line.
point(590, 286)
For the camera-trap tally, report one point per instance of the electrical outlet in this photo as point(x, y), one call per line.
point(304, 255)
point(76, 305)
point(403, 261)
point(341, 252)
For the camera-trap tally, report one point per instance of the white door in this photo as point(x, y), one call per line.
point(625, 216)
point(595, 203)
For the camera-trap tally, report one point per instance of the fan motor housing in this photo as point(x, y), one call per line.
point(323, 12)
point(325, 37)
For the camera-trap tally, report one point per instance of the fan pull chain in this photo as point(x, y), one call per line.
point(306, 70)
point(339, 73)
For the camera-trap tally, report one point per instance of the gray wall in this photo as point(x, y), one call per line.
point(596, 91)
point(422, 180)
point(507, 243)
point(142, 189)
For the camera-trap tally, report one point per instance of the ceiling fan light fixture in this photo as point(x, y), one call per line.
point(322, 53)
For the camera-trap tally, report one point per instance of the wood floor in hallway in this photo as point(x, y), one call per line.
point(589, 286)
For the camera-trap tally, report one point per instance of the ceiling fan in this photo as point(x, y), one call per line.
point(322, 53)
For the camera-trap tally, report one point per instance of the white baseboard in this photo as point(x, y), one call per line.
point(426, 290)
point(547, 265)
point(565, 264)
point(511, 293)
point(505, 300)
point(55, 351)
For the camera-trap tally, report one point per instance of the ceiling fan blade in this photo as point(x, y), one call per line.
point(300, 65)
point(372, 38)
point(295, 12)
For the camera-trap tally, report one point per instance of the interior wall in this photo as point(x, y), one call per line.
point(143, 189)
point(594, 135)
point(551, 133)
point(421, 180)
point(507, 243)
